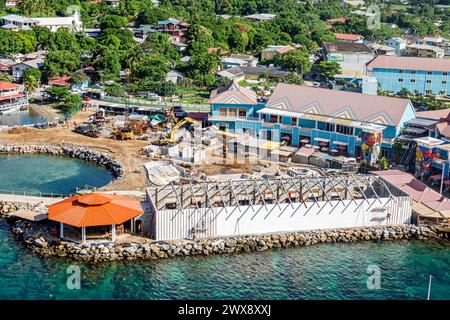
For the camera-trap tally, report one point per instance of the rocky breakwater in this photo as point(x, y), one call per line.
point(39, 239)
point(82, 153)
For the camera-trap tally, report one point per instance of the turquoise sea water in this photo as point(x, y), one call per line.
point(328, 271)
point(21, 118)
point(48, 174)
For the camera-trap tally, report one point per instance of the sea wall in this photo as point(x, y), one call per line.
point(82, 153)
point(39, 239)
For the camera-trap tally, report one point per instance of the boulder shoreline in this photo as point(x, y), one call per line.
point(37, 236)
point(81, 153)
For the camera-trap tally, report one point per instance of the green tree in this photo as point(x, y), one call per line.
point(167, 89)
point(113, 22)
point(153, 68)
point(296, 60)
point(31, 79)
point(61, 62)
point(115, 90)
point(72, 103)
point(5, 77)
point(78, 77)
point(328, 69)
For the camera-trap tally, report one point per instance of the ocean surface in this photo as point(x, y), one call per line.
point(326, 271)
point(21, 118)
point(48, 174)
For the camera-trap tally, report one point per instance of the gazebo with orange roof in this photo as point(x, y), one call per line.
point(94, 210)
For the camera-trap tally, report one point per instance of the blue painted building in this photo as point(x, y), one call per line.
point(234, 108)
point(423, 75)
point(328, 119)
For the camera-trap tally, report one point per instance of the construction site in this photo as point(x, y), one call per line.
point(200, 181)
point(259, 206)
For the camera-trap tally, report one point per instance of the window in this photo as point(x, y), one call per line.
point(273, 118)
point(400, 71)
point(412, 80)
point(413, 71)
point(428, 81)
point(344, 129)
point(429, 72)
point(294, 121)
point(444, 82)
point(223, 112)
point(329, 127)
point(242, 113)
point(444, 73)
point(232, 112)
point(400, 80)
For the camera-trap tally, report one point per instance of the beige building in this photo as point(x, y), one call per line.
point(270, 52)
point(424, 51)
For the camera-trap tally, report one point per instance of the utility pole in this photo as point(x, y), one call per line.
point(429, 287)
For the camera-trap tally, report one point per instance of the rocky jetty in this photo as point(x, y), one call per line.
point(39, 238)
point(82, 153)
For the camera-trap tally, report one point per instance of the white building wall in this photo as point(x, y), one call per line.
point(178, 224)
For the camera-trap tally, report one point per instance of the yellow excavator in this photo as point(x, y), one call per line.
point(178, 125)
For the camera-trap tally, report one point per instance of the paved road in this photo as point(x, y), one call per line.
point(151, 104)
point(28, 199)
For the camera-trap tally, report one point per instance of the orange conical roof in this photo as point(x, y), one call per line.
point(95, 199)
point(94, 209)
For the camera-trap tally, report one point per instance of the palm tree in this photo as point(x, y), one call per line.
point(29, 7)
point(134, 59)
point(30, 83)
point(5, 77)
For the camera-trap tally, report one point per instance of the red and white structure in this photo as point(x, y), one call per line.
point(12, 97)
point(10, 3)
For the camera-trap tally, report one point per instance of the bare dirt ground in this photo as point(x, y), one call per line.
point(125, 152)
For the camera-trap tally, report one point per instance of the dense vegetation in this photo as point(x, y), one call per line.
point(147, 63)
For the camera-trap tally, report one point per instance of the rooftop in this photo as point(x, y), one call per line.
point(261, 16)
point(341, 19)
point(344, 46)
point(233, 94)
point(8, 86)
point(348, 36)
point(425, 47)
point(410, 63)
point(279, 49)
point(18, 18)
point(419, 191)
point(339, 104)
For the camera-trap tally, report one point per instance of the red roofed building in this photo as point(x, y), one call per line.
point(12, 97)
point(428, 205)
point(349, 37)
point(10, 3)
point(338, 20)
point(63, 81)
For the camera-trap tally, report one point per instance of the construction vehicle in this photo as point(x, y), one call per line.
point(88, 131)
point(125, 133)
point(178, 125)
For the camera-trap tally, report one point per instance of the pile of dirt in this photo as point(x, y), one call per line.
point(19, 130)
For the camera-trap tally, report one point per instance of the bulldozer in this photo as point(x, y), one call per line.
point(178, 125)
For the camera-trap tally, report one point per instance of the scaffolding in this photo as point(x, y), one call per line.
point(255, 192)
